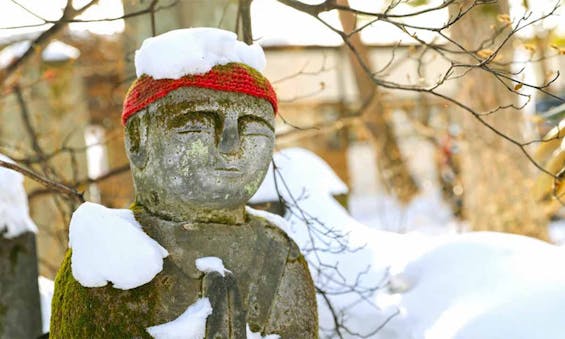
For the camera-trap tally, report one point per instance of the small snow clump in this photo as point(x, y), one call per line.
point(211, 264)
point(14, 210)
point(257, 335)
point(189, 325)
point(109, 245)
point(46, 290)
point(192, 51)
point(274, 219)
point(59, 51)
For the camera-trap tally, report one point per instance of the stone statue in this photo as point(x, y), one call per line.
point(198, 153)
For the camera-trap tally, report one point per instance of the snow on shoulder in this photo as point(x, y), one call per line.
point(109, 245)
point(192, 51)
point(274, 219)
point(14, 210)
point(211, 264)
point(189, 325)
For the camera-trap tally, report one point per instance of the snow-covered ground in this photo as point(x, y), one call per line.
point(433, 283)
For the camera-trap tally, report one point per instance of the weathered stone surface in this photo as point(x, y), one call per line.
point(20, 312)
point(273, 285)
point(197, 156)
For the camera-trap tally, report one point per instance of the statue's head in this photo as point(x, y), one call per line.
point(201, 141)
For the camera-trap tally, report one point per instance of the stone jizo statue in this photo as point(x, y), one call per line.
point(199, 147)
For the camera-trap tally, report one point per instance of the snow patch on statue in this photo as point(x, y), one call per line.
point(211, 264)
point(14, 210)
point(109, 245)
point(257, 335)
point(274, 219)
point(189, 325)
point(197, 50)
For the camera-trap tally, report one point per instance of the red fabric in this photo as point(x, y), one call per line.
point(233, 77)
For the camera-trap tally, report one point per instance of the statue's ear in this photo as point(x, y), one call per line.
point(136, 139)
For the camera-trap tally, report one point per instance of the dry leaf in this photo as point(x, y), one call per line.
point(530, 48)
point(485, 53)
point(504, 18)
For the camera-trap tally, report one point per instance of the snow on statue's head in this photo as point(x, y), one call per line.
point(199, 121)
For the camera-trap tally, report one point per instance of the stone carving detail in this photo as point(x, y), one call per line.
point(197, 156)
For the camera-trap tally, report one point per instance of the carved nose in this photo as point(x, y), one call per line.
point(229, 140)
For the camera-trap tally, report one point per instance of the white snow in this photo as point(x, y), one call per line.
point(59, 51)
point(274, 219)
point(211, 264)
point(109, 245)
point(12, 52)
point(189, 325)
point(196, 51)
point(452, 287)
point(55, 51)
point(443, 285)
point(46, 288)
point(14, 210)
point(257, 335)
point(300, 168)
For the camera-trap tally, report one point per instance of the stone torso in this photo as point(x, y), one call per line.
point(269, 289)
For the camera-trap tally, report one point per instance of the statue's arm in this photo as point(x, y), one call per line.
point(294, 310)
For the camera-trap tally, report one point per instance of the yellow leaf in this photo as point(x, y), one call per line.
point(485, 53)
point(518, 86)
point(530, 47)
point(504, 18)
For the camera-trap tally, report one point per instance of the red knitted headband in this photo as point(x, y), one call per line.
point(232, 77)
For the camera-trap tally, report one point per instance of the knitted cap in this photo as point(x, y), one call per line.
point(232, 77)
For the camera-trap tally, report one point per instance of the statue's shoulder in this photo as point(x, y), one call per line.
point(272, 224)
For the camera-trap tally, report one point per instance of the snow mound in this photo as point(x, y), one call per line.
point(211, 264)
point(109, 245)
point(194, 51)
point(473, 284)
point(299, 168)
point(14, 210)
point(257, 335)
point(189, 325)
point(536, 314)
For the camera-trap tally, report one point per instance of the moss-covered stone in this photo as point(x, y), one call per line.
point(105, 312)
point(197, 157)
point(265, 265)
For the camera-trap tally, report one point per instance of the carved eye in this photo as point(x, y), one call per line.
point(194, 122)
point(250, 125)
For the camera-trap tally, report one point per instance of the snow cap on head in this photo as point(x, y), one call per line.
point(196, 57)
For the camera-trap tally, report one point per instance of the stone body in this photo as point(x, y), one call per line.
point(197, 156)
point(20, 311)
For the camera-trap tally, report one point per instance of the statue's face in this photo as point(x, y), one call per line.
point(200, 147)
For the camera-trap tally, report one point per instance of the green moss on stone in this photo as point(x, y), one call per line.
point(103, 312)
point(3, 310)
